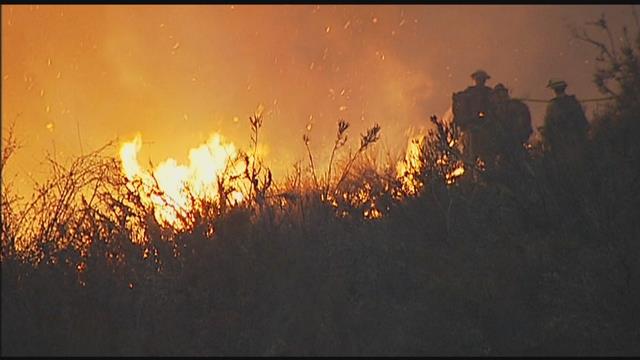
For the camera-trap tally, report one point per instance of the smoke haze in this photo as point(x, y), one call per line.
point(75, 77)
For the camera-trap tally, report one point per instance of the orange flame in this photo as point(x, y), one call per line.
point(179, 183)
point(407, 169)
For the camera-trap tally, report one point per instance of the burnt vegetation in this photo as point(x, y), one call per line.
point(530, 259)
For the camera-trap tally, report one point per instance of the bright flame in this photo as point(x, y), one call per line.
point(407, 170)
point(179, 183)
point(411, 165)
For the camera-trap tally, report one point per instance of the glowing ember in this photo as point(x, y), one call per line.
point(451, 177)
point(372, 213)
point(458, 172)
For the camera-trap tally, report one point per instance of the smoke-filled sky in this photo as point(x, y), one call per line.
point(75, 77)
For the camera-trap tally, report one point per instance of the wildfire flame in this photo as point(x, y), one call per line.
point(407, 169)
point(413, 164)
point(178, 184)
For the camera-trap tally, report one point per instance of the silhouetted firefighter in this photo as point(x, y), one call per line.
point(473, 114)
point(565, 125)
point(514, 123)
